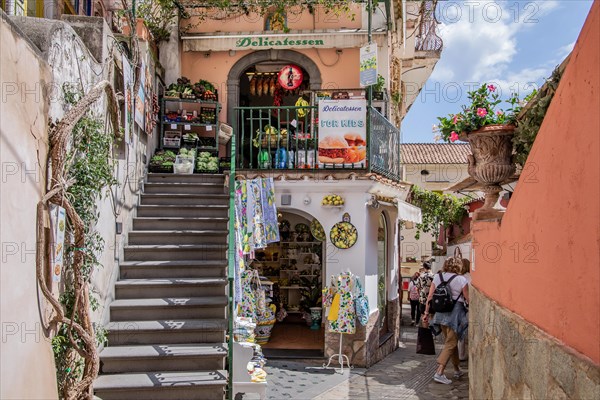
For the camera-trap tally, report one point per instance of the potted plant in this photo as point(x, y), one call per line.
point(489, 132)
point(378, 88)
point(312, 298)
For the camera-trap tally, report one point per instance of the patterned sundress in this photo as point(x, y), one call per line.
point(346, 318)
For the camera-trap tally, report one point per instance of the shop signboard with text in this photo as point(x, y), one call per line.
point(342, 133)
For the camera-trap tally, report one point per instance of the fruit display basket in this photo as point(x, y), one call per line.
point(332, 200)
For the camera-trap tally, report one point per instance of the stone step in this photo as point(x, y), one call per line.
point(184, 188)
point(162, 385)
point(154, 252)
point(183, 211)
point(172, 269)
point(164, 357)
point(174, 223)
point(149, 309)
point(169, 287)
point(177, 237)
point(183, 199)
point(167, 331)
point(146, 288)
point(186, 178)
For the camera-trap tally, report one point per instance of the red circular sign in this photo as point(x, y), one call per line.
point(290, 77)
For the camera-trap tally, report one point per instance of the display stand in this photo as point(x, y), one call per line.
point(241, 379)
point(341, 358)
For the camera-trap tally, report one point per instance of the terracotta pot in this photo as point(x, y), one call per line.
point(491, 163)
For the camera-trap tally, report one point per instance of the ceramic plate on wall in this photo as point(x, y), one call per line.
point(343, 235)
point(317, 230)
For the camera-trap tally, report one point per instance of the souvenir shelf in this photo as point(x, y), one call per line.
point(181, 117)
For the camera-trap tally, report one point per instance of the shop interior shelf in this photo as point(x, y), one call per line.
point(179, 100)
point(186, 123)
point(293, 287)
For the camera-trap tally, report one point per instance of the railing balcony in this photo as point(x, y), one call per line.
point(286, 139)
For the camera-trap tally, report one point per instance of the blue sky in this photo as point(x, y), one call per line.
point(515, 44)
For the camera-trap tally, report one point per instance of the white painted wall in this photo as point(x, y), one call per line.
point(361, 259)
point(441, 177)
point(32, 90)
point(27, 362)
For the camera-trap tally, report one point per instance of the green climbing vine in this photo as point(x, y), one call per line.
point(530, 122)
point(437, 210)
point(89, 164)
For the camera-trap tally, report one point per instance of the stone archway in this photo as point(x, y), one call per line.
point(233, 78)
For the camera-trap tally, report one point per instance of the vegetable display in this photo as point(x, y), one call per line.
point(206, 162)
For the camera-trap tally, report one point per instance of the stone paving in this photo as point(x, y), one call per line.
point(402, 375)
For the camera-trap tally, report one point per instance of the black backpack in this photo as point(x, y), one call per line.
point(442, 300)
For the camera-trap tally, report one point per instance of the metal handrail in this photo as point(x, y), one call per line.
point(231, 269)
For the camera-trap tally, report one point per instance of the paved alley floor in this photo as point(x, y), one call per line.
point(402, 375)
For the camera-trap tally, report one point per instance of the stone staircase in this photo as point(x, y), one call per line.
point(167, 324)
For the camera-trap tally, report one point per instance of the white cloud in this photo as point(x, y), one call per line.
point(480, 43)
point(565, 50)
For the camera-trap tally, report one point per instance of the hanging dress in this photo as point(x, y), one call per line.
point(345, 321)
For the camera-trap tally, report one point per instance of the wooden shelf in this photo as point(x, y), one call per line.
point(293, 287)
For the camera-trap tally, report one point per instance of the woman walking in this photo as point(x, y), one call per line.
point(413, 296)
point(453, 323)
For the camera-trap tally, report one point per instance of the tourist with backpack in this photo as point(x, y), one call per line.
point(413, 296)
point(447, 297)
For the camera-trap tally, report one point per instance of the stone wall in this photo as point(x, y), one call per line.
point(363, 348)
point(509, 358)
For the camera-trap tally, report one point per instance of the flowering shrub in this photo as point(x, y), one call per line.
point(481, 112)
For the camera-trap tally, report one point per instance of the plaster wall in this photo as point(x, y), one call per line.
point(551, 226)
point(363, 347)
point(70, 63)
point(337, 70)
point(305, 20)
point(25, 349)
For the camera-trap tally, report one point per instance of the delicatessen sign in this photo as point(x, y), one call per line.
point(342, 132)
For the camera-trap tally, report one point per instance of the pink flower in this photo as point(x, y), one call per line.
point(453, 136)
point(481, 112)
point(499, 113)
point(491, 88)
point(455, 119)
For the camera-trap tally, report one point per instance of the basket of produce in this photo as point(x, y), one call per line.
point(224, 164)
point(190, 139)
point(208, 115)
point(162, 161)
point(207, 163)
point(207, 142)
point(271, 137)
point(184, 162)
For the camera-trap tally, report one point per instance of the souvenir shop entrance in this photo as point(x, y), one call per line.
point(295, 267)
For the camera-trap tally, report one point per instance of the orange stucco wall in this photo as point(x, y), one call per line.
point(337, 71)
point(319, 19)
point(542, 262)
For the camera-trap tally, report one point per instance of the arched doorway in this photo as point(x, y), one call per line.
point(296, 266)
point(239, 69)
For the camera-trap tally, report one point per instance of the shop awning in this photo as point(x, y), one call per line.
point(397, 195)
point(326, 39)
point(408, 212)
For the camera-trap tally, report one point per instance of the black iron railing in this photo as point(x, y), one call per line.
point(286, 138)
